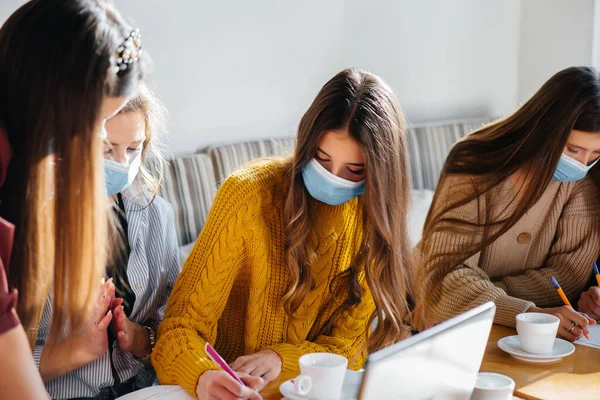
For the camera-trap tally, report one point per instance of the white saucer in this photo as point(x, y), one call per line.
point(349, 390)
point(512, 346)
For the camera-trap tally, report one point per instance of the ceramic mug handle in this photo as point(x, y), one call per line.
point(302, 384)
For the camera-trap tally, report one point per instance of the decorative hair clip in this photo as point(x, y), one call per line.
point(129, 52)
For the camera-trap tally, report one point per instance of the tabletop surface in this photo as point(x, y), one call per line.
point(576, 376)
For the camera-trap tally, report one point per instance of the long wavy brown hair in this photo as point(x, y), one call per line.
point(365, 106)
point(56, 68)
point(530, 142)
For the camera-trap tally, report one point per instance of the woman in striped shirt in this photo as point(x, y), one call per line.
point(113, 357)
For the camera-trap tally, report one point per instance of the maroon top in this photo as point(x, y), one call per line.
point(8, 299)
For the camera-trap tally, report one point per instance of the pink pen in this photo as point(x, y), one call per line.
point(217, 359)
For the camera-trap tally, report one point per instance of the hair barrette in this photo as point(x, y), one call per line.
point(128, 52)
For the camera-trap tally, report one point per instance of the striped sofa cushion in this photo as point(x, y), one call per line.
point(429, 146)
point(283, 146)
point(228, 158)
point(190, 186)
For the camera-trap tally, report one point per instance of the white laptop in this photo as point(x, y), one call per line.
point(439, 363)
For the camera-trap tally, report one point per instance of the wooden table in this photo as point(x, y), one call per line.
point(575, 377)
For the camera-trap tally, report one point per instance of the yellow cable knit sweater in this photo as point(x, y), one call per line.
point(231, 287)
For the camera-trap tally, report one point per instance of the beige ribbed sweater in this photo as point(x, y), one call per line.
point(559, 236)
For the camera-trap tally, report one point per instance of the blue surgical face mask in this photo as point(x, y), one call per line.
point(570, 170)
point(120, 176)
point(327, 187)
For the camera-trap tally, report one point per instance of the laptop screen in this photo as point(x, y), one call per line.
point(439, 363)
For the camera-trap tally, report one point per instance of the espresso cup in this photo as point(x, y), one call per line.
point(322, 376)
point(537, 332)
point(492, 386)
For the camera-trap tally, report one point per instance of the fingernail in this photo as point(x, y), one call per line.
point(103, 280)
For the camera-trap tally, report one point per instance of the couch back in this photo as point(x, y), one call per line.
point(191, 181)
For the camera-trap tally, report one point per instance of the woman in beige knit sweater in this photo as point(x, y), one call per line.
point(514, 207)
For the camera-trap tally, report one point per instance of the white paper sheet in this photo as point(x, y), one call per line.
point(162, 392)
point(594, 338)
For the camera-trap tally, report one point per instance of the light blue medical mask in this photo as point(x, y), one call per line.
point(120, 176)
point(327, 187)
point(571, 170)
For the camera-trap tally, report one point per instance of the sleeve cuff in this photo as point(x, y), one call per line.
point(289, 356)
point(180, 365)
point(507, 308)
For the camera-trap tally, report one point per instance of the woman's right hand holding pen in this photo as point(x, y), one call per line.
point(218, 385)
point(572, 323)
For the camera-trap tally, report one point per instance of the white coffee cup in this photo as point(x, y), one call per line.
point(537, 332)
point(322, 376)
point(492, 386)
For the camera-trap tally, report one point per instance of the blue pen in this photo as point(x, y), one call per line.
point(596, 272)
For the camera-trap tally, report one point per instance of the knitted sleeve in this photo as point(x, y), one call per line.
point(202, 290)
point(468, 286)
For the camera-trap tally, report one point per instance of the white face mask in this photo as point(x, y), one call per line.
point(120, 176)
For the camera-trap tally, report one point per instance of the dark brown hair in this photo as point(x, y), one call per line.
point(365, 106)
point(529, 141)
point(56, 68)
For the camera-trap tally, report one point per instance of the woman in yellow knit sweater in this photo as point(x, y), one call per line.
point(300, 255)
point(514, 207)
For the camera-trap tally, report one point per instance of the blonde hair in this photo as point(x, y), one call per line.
point(155, 121)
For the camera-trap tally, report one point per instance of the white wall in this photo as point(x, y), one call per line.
point(241, 70)
point(237, 70)
point(555, 34)
point(596, 41)
point(445, 59)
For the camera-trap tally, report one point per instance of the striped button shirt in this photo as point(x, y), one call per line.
point(152, 270)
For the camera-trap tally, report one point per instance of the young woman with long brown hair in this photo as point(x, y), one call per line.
point(63, 73)
point(300, 255)
point(514, 207)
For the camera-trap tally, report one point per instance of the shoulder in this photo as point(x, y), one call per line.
point(160, 206)
point(154, 212)
point(256, 180)
point(582, 197)
point(585, 186)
